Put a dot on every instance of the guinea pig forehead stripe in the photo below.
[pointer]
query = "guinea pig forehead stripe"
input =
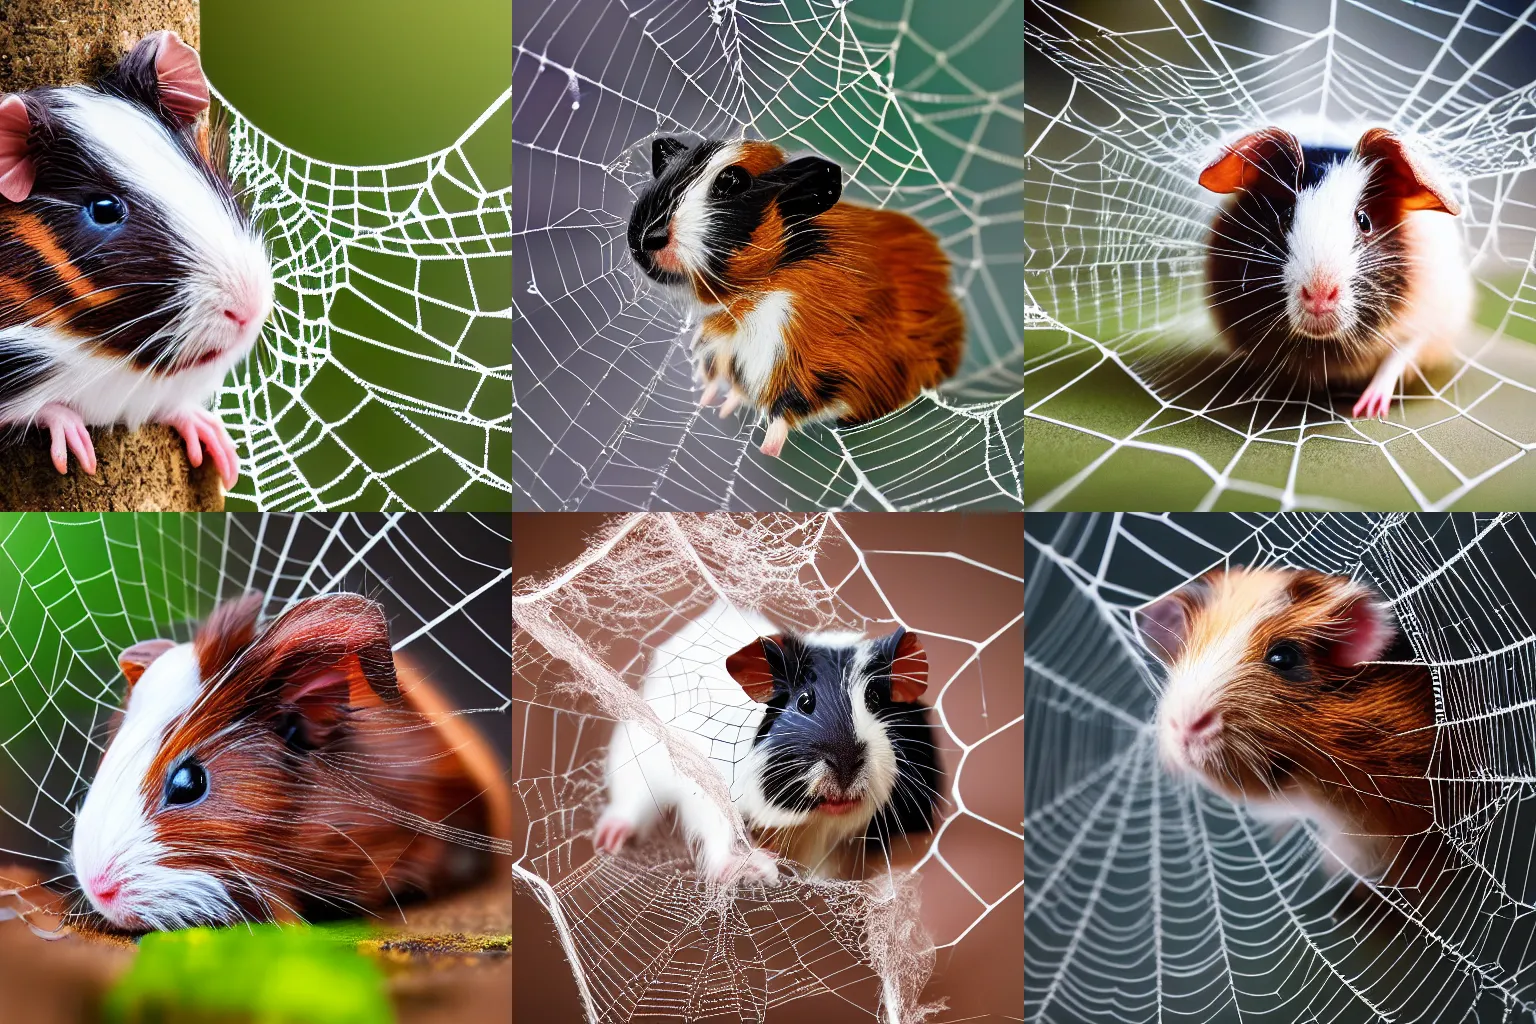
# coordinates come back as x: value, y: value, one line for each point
x: 1240, y: 602
x: 157, y: 169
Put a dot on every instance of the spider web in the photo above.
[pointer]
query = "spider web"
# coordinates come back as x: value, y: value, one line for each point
x: 76, y: 590
x: 642, y: 935
x: 921, y: 109
x: 1123, y: 108
x: 1152, y: 898
x: 384, y: 378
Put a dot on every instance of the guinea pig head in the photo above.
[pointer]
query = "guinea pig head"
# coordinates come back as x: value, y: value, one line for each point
x: 117, y: 230
x: 718, y: 216
x: 1313, y: 245
x: 192, y: 817
x: 1252, y: 656
x: 821, y: 747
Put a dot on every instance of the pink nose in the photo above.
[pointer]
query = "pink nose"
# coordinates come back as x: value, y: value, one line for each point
x: 1203, y: 728
x: 1320, y: 296
x: 105, y: 889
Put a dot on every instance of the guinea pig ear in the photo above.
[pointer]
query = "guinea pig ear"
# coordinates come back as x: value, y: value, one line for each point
x: 17, y: 172
x: 163, y: 73
x: 1403, y: 175
x: 1164, y: 626
x: 1270, y: 156
x: 134, y: 660
x: 909, y: 667
x: 663, y: 149
x: 227, y: 632
x: 1367, y: 630
x: 811, y: 186
x: 756, y: 665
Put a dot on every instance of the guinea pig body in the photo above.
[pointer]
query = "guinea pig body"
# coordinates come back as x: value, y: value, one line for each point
x: 1276, y: 697
x: 812, y: 309
x: 131, y: 281
x: 280, y: 773
x: 813, y: 737
x: 1336, y: 263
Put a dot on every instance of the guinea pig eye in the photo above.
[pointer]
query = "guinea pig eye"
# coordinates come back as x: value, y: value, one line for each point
x: 106, y: 210
x: 872, y: 697
x: 1363, y: 221
x: 806, y: 703
x: 187, y: 784
x: 1284, y: 656
x: 730, y: 182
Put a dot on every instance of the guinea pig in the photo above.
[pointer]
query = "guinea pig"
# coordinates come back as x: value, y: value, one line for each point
x: 1336, y: 264
x: 282, y: 772
x: 1290, y: 691
x: 818, y: 738
x: 131, y: 281
x: 812, y: 309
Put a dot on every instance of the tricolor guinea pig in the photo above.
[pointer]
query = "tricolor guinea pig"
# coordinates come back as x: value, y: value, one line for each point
x: 1336, y: 264
x: 813, y: 309
x: 818, y: 739
x: 280, y: 772
x: 131, y: 281
x: 1291, y: 692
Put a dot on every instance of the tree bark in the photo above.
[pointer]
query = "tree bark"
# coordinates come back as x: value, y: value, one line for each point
x: 63, y: 42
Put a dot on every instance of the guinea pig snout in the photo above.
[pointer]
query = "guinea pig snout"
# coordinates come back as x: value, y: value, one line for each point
x: 1189, y: 737
x: 1319, y: 295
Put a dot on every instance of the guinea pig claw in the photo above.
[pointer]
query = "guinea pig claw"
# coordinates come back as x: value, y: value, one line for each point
x: 201, y: 429
x: 1374, y: 404
x: 611, y: 834
x: 708, y: 397
x: 67, y: 433
x: 731, y: 404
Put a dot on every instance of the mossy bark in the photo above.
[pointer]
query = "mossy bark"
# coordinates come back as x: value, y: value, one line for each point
x: 58, y: 42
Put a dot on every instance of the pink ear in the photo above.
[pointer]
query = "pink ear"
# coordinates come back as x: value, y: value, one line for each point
x: 16, y: 170
x: 183, y: 88
x: 749, y: 667
x: 1164, y: 626
x: 1368, y: 632
x: 134, y: 660
x: 909, y: 670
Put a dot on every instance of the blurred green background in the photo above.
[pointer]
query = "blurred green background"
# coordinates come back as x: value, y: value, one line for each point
x: 368, y: 82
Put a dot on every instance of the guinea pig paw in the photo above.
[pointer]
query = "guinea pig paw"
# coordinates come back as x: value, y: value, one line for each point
x: 708, y: 397
x: 611, y: 834
x: 201, y: 429
x: 773, y: 440
x: 67, y: 433
x: 758, y: 865
x: 1375, y: 403
x: 731, y: 403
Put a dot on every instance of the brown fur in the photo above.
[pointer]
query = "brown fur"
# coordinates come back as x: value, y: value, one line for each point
x: 872, y: 324
x: 306, y: 832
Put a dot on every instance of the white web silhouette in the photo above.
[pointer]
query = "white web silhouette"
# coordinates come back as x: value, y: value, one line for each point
x: 893, y: 91
x: 384, y: 376
x: 645, y: 937
x: 74, y: 591
x: 1122, y: 111
x: 1150, y: 898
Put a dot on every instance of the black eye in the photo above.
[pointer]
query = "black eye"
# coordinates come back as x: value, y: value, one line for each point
x: 1284, y: 656
x: 106, y: 210
x: 872, y: 697
x: 1363, y: 221
x: 730, y: 182
x: 187, y: 784
x: 806, y: 703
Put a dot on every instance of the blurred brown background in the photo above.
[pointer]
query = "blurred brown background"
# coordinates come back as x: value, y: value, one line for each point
x: 981, y: 976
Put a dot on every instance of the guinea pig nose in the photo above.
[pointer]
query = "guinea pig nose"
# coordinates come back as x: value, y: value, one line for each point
x: 1204, y: 725
x: 237, y: 317
x: 1320, y: 293
x: 105, y: 889
x: 656, y: 238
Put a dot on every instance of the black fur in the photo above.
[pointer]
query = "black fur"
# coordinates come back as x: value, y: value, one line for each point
x: 796, y: 741
x: 791, y: 402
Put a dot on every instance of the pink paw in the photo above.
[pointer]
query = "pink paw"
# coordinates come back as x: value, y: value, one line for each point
x: 731, y: 403
x: 67, y: 433
x: 708, y: 397
x: 1376, y: 402
x: 201, y: 429
x: 773, y: 440
x: 756, y: 865
x: 611, y: 834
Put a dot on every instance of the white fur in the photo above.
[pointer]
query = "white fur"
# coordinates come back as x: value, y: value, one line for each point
x: 690, y: 217
x: 1322, y: 240
x: 231, y: 269
x: 113, y: 830
x: 691, y: 692
x: 1196, y: 678
x: 755, y: 346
